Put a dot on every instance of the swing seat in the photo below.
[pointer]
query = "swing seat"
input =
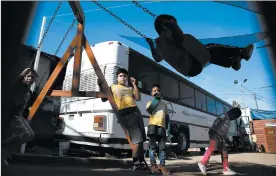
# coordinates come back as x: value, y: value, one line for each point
x: 189, y: 58
x: 182, y: 51
x: 196, y: 49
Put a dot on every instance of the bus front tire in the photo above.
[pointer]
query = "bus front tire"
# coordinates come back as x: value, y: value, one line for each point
x: 183, y: 143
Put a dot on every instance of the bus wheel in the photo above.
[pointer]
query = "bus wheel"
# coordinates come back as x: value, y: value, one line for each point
x: 183, y: 143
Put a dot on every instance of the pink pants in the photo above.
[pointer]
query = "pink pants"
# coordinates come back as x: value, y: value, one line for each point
x: 214, y: 144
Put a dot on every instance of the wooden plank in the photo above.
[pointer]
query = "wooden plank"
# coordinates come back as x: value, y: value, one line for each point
x: 100, y: 76
x: 63, y: 93
x: 52, y: 79
x: 77, y: 60
x: 77, y: 10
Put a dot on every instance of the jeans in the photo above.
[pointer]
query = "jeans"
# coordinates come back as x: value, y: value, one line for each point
x: 153, y: 147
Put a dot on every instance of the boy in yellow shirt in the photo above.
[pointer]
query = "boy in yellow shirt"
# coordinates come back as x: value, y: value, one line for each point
x: 158, y: 123
x: 129, y: 115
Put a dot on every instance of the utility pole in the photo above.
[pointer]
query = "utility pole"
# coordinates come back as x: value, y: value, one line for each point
x: 37, y: 58
x: 256, y: 101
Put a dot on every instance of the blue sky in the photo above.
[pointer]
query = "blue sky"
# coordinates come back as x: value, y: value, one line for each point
x: 201, y: 19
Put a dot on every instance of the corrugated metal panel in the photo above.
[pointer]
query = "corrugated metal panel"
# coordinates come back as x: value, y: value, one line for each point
x: 88, y: 81
x: 270, y: 139
x: 258, y: 128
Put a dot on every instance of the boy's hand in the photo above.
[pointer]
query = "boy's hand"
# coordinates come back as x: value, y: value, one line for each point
x: 133, y: 81
x: 99, y: 82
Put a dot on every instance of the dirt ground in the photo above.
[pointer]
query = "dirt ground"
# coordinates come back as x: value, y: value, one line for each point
x: 255, y: 164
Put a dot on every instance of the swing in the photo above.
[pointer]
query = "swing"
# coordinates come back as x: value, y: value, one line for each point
x: 182, y: 51
x: 77, y: 44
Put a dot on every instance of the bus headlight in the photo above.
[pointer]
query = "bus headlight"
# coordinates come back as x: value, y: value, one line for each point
x: 99, y: 123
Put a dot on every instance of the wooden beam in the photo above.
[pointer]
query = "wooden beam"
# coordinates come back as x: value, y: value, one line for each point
x: 52, y: 79
x: 77, y: 60
x: 63, y: 93
x: 77, y: 10
x: 106, y: 90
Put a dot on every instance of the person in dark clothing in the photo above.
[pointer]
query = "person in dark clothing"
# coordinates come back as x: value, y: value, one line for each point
x: 130, y: 116
x: 218, y: 137
x: 18, y: 131
x: 174, y: 47
x: 158, y: 124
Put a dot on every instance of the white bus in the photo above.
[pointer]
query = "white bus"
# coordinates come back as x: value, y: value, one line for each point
x: 193, y: 109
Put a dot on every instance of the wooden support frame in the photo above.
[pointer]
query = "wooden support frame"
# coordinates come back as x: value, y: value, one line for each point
x: 77, y: 43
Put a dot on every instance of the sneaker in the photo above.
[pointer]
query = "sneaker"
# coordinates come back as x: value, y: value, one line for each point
x: 236, y: 64
x: 202, y: 168
x: 136, y: 166
x: 229, y: 172
x: 247, y: 52
x: 144, y: 166
x: 155, y: 170
x: 164, y: 170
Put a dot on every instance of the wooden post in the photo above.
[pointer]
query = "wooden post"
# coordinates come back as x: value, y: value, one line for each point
x: 51, y: 80
x: 101, y: 77
x: 77, y: 60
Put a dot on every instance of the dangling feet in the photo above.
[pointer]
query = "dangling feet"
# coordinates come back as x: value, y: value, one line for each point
x: 154, y: 53
x: 236, y: 63
x: 202, y: 168
x: 246, y: 52
x: 228, y: 171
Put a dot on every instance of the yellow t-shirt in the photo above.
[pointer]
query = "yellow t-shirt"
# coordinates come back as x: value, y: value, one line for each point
x: 123, y: 96
x: 158, y: 116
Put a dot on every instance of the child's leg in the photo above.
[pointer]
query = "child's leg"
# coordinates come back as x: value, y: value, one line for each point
x: 152, y: 149
x: 212, y: 147
x: 162, y: 149
x: 162, y: 155
x: 224, y: 156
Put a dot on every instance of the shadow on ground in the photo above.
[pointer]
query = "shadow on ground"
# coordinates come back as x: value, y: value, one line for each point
x: 249, y: 169
x: 187, y: 169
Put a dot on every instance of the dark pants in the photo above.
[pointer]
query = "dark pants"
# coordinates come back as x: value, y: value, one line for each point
x: 222, y: 54
x: 153, y: 148
x: 18, y: 133
x: 216, y: 143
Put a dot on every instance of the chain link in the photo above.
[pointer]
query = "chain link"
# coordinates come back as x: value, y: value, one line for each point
x: 144, y: 9
x: 62, y: 41
x: 49, y: 25
x: 65, y: 36
x: 119, y: 19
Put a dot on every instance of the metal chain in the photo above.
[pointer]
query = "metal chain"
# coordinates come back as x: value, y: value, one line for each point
x: 119, y: 19
x: 45, y: 33
x: 66, y: 34
x: 144, y: 9
x: 49, y: 25
x: 62, y: 41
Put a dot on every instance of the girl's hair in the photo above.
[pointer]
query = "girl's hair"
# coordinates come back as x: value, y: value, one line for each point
x: 121, y: 70
x: 27, y: 71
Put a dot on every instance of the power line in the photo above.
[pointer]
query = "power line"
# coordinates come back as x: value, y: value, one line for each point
x: 260, y: 96
x: 265, y: 87
x: 93, y: 10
